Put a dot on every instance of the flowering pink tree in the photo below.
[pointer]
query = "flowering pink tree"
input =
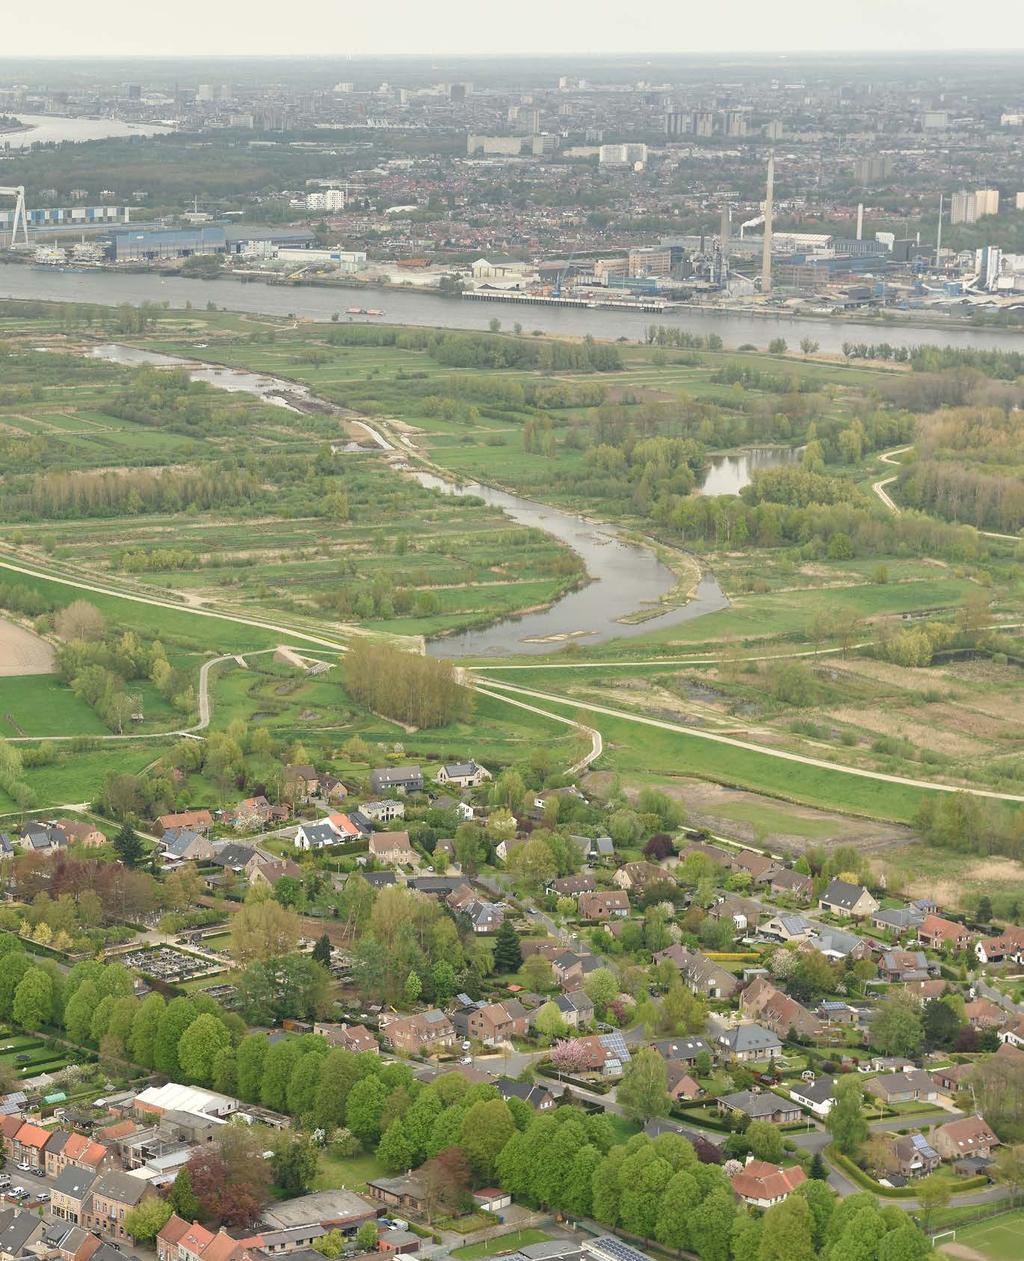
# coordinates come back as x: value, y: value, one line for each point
x: 569, y: 1055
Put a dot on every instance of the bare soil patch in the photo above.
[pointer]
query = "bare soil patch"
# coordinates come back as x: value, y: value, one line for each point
x: 895, y: 676
x: 22, y: 652
x: 926, y: 735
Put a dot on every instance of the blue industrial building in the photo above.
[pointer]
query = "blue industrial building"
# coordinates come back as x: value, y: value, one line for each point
x: 147, y: 244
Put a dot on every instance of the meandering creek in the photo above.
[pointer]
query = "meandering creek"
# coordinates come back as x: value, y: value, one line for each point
x: 624, y: 578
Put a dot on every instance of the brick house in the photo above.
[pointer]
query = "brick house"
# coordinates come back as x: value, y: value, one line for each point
x: 785, y: 883
x: 911, y: 1155
x: 970, y: 1136
x: 405, y: 1192
x: 637, y: 875
x: 393, y: 848
x: 847, y: 901
x: 907, y: 1087
x: 760, y: 1105
x: 65, y: 1149
x: 782, y: 1014
x: 426, y: 1033
x: 603, y: 906
x: 253, y: 812
x: 699, y: 973
x: 499, y: 1022
x: 356, y: 1038
x: 982, y: 1013
x: 111, y: 1199
x: 194, y: 820
x: 936, y: 933
x: 30, y: 1146
x: 904, y: 965
x: 69, y: 1192
x: 605, y: 1053
x: 79, y: 832
x: 759, y: 867
x: 763, y: 1184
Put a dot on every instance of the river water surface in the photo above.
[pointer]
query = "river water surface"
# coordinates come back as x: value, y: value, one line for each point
x: 404, y: 306
x: 52, y: 129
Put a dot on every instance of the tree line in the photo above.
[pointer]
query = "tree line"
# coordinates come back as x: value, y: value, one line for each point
x: 421, y: 691
x: 482, y: 350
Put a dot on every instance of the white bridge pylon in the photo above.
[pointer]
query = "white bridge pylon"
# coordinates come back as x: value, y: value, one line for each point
x: 20, y: 216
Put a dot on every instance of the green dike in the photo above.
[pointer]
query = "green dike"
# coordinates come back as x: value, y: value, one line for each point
x: 200, y: 630
x: 633, y: 748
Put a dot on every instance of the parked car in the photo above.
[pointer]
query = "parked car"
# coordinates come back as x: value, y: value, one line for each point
x: 18, y: 1193
x: 25, y: 1167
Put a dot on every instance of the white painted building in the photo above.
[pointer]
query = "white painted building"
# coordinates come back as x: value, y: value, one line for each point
x: 326, y: 199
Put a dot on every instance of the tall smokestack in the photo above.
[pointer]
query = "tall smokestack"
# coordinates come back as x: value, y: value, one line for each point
x: 860, y: 221
x: 769, y: 197
x: 938, y: 235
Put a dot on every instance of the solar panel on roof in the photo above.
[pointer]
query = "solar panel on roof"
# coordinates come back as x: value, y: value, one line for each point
x: 610, y: 1246
x: 922, y: 1145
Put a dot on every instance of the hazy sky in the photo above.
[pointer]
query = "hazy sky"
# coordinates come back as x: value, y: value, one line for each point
x: 255, y: 27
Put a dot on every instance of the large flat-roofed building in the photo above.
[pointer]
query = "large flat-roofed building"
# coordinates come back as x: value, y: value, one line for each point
x: 146, y: 244
x: 173, y: 1097
x: 504, y: 146
x: 69, y: 216
x: 240, y: 238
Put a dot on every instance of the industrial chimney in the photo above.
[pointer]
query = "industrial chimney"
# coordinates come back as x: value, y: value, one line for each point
x: 766, y: 259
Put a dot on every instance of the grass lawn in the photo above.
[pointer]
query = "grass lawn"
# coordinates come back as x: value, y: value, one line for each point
x: 44, y: 705
x: 622, y: 1127
x: 1000, y: 1238
x: 503, y: 1243
x: 638, y: 748
x: 351, y: 1172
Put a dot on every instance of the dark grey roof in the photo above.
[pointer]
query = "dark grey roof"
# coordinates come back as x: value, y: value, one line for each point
x: 16, y: 1229
x: 395, y: 774
x: 842, y: 893
x: 460, y: 768
x: 55, y: 1143
x: 121, y: 1186
x: 899, y: 917
x: 749, y: 1038
x: 533, y: 1095
x: 232, y: 854
x: 757, y: 1104
x: 177, y: 840
x: 377, y: 879
x: 819, y: 1091
x: 74, y: 1182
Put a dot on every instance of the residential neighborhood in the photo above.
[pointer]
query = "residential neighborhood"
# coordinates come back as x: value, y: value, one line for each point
x: 793, y: 1026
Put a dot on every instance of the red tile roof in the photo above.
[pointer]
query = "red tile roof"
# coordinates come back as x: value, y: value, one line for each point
x: 32, y: 1136
x: 760, y: 1180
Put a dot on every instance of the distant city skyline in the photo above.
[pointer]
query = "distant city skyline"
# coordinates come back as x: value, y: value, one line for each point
x: 464, y: 27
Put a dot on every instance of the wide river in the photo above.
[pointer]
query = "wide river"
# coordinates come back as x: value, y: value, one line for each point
x: 53, y: 129
x: 403, y: 306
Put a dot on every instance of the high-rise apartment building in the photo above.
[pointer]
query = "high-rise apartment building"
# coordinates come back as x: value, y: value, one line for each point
x: 968, y: 206
x: 326, y: 199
